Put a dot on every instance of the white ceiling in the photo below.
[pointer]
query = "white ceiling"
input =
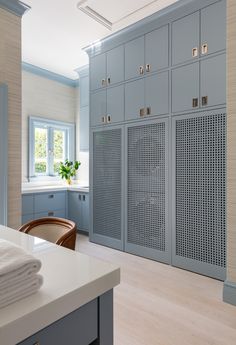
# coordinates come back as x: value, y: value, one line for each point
x: 55, y: 31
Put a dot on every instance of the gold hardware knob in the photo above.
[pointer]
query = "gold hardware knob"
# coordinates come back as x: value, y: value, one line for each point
x: 142, y: 112
x: 204, y: 101
x: 148, y: 68
x: 103, y: 82
x: 141, y: 70
x: 204, y: 48
x: 195, y: 102
x: 195, y: 52
x: 108, y: 118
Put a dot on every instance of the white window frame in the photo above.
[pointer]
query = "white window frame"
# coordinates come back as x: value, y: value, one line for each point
x: 51, y: 125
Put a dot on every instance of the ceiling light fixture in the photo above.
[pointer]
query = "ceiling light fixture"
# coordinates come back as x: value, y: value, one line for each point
x: 93, y: 14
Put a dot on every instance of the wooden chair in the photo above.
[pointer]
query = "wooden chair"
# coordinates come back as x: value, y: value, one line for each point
x: 56, y: 230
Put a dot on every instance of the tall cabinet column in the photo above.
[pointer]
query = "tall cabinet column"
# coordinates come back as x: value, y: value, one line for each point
x: 11, y: 12
x: 230, y: 284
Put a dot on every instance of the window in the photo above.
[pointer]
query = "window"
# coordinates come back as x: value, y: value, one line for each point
x: 50, y: 142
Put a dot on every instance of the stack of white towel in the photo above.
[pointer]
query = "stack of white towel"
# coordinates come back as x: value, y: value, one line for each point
x: 18, y: 273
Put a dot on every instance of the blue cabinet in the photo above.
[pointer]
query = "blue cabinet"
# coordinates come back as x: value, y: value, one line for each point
x: 148, y: 53
x: 147, y: 97
x: 40, y: 205
x: 84, y: 107
x: 107, y: 106
x: 84, y: 128
x: 78, y: 209
x: 107, y: 69
x: 185, y: 38
x: 84, y: 90
x: 200, y: 33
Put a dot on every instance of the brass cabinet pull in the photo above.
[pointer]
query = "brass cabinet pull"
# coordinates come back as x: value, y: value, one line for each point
x: 204, y: 101
x: 108, y: 118
x: 204, y: 48
x: 149, y: 110
x: 142, y: 112
x: 103, y: 119
x: 50, y: 214
x: 108, y: 81
x: 148, y: 68
x: 141, y: 70
x: 195, y: 52
x: 195, y: 102
x: 103, y: 82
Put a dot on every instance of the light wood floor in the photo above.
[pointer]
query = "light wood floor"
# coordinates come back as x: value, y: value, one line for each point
x: 157, y: 304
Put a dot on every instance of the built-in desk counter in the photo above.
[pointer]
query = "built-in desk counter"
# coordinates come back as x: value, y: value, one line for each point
x: 74, y: 303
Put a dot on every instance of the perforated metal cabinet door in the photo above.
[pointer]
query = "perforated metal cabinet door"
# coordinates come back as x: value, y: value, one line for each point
x: 199, y: 188
x: 106, y: 178
x: 146, y: 218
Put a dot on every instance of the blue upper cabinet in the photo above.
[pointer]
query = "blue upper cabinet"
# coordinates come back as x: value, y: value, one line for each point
x: 200, y: 33
x: 185, y: 38
x: 115, y: 65
x: 84, y: 91
x: 107, y: 68
x: 213, y: 28
x: 147, y: 96
x: 134, y: 58
x: 98, y: 108
x: 147, y: 54
x: 157, y: 49
x: 98, y: 71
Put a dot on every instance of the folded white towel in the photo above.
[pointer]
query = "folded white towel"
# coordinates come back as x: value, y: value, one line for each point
x: 13, y: 293
x: 15, y: 263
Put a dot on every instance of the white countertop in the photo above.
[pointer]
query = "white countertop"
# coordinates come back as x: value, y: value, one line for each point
x: 53, y: 188
x: 71, y: 280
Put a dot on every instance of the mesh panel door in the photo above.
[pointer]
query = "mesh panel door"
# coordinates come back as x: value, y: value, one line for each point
x: 107, y: 183
x: 147, y: 161
x: 200, y: 186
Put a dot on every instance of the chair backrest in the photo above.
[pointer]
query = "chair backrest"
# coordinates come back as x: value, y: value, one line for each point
x: 56, y: 230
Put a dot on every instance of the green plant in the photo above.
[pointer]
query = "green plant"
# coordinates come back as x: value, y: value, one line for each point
x: 68, y: 169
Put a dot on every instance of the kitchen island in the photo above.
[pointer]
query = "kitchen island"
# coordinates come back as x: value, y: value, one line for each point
x: 74, y: 305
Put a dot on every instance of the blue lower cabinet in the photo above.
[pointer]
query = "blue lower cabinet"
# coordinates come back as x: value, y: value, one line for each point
x: 78, y: 209
x: 57, y: 213
x: 27, y: 218
x: 79, y: 327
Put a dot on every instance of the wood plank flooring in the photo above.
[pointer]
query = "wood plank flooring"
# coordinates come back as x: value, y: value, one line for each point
x: 157, y: 304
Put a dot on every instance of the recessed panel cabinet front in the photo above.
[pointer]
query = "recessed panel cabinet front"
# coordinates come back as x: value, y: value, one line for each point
x: 213, y: 81
x: 98, y: 107
x: 115, y: 65
x: 134, y: 58
x: 185, y: 88
x: 147, y: 231
x: 107, y: 179
x: 185, y: 38
x: 213, y: 28
x: 98, y: 71
x: 134, y: 99
x: 115, y: 104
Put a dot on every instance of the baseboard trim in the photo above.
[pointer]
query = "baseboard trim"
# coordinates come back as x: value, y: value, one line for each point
x: 229, y: 292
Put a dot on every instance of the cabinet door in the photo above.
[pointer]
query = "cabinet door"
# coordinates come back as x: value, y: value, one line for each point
x: 185, y: 38
x: 84, y: 129
x: 115, y: 65
x: 84, y: 91
x: 134, y: 99
x: 107, y: 214
x: 115, y: 103
x: 185, y: 88
x: 213, y: 28
x: 156, y: 49
x: 27, y: 204
x: 98, y: 107
x: 85, y: 211
x: 147, y: 231
x: 74, y: 208
x: 199, y: 193
x: 213, y: 81
x: 134, y: 58
x: 156, y: 93
x: 98, y: 71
